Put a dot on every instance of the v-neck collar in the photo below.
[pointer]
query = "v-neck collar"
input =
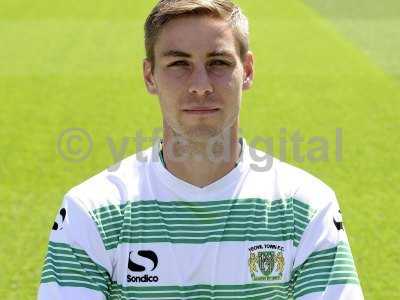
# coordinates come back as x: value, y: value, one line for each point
x: 189, y: 191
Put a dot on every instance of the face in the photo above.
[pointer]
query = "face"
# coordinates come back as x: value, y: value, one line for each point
x: 198, y: 77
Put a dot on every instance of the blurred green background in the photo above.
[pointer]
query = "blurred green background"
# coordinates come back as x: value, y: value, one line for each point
x: 320, y: 65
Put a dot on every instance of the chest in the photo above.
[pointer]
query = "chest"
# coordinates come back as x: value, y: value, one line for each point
x: 225, y: 243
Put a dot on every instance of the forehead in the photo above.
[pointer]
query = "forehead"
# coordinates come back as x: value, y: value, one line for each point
x: 196, y: 36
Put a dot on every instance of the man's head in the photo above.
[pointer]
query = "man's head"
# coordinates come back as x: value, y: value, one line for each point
x: 197, y: 57
x: 167, y: 10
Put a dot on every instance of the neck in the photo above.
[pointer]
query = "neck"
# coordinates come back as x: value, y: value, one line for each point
x: 201, y: 162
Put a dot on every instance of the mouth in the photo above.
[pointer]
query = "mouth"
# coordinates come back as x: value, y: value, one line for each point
x: 201, y: 110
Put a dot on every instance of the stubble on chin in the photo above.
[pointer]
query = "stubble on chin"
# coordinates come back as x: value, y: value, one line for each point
x: 200, y: 133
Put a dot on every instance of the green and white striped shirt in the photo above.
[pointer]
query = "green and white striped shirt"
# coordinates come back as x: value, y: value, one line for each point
x: 141, y: 233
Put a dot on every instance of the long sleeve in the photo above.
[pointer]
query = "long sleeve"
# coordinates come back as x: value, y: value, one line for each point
x: 76, y: 265
x: 324, y: 266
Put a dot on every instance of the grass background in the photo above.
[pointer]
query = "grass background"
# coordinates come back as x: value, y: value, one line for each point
x: 320, y: 65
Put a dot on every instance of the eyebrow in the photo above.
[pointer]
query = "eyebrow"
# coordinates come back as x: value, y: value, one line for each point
x: 178, y: 53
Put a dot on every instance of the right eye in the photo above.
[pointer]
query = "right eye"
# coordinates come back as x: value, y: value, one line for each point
x: 178, y: 63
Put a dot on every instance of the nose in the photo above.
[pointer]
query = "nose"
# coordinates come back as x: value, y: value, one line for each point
x: 200, y: 82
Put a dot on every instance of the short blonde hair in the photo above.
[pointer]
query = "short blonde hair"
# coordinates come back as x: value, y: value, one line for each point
x: 167, y: 10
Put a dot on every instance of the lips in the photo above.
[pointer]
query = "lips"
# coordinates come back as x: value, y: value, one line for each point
x: 201, y: 110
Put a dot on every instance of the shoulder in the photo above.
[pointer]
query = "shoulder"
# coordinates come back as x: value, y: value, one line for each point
x: 282, y: 180
x: 115, y: 185
x: 303, y: 186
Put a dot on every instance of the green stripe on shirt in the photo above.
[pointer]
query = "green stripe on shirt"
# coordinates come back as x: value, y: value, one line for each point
x: 154, y: 221
x: 324, y: 268
x: 68, y: 266
x: 203, y: 291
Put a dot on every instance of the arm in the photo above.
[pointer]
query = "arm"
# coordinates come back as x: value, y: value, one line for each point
x: 324, y: 268
x: 76, y: 265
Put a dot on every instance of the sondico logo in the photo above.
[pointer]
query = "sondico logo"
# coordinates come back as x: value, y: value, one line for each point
x: 135, y: 267
x: 58, y: 223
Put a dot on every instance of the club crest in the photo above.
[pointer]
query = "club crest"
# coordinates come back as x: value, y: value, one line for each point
x: 266, y: 262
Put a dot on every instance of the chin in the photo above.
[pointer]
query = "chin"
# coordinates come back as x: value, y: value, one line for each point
x: 201, y: 133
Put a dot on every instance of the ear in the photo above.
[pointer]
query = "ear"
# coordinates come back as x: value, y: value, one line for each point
x: 248, y: 68
x: 148, y: 77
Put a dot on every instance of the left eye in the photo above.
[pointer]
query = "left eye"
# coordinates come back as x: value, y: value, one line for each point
x: 218, y: 62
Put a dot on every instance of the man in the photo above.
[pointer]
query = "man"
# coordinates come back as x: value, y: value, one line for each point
x: 197, y: 220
